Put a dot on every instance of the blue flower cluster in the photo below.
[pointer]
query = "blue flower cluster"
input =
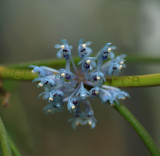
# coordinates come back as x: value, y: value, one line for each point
x: 63, y: 86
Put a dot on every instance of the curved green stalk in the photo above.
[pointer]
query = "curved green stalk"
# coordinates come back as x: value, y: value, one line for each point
x: 117, y: 81
x: 4, y: 140
x: 143, y: 134
x: 14, y: 148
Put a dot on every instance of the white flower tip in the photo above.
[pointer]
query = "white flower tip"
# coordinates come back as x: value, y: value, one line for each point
x: 62, y: 46
x: 77, y: 123
x: 121, y: 62
x: 33, y: 71
x: 88, y: 61
x: 73, y: 107
x: 63, y: 74
x: 83, y: 45
x: 120, y: 67
x: 40, y: 84
x: 50, y: 99
x: 109, y: 49
x: 96, y: 92
x: 49, y: 110
x: 123, y: 98
x: 89, y: 122
x: 98, y: 78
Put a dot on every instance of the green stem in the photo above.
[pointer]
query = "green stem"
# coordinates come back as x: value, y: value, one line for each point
x: 58, y: 63
x: 143, y: 59
x: 149, y: 80
x: 14, y: 148
x: 117, y: 81
x: 16, y: 74
x: 4, y: 140
x: 143, y: 134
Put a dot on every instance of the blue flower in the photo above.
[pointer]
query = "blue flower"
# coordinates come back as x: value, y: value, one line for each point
x: 46, y: 82
x: 82, y: 92
x: 43, y: 71
x: 53, y: 107
x: 87, y: 64
x: 65, y: 49
x: 97, y: 78
x: 108, y: 94
x: 66, y: 87
x: 81, y: 119
x: 72, y: 104
x: 66, y: 77
x: 114, y: 66
x: 106, y: 52
x: 83, y: 49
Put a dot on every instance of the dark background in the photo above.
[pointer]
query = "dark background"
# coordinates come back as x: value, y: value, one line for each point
x: 28, y: 31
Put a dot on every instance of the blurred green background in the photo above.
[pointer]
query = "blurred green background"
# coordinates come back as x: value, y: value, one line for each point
x: 30, y: 28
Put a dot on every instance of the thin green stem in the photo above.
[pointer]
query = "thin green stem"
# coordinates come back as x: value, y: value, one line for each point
x: 58, y: 63
x: 14, y: 148
x: 143, y: 134
x: 4, y: 140
x: 140, y: 59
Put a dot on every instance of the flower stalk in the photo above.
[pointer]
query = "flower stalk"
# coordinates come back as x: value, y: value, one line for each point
x: 140, y: 130
x: 6, y: 149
